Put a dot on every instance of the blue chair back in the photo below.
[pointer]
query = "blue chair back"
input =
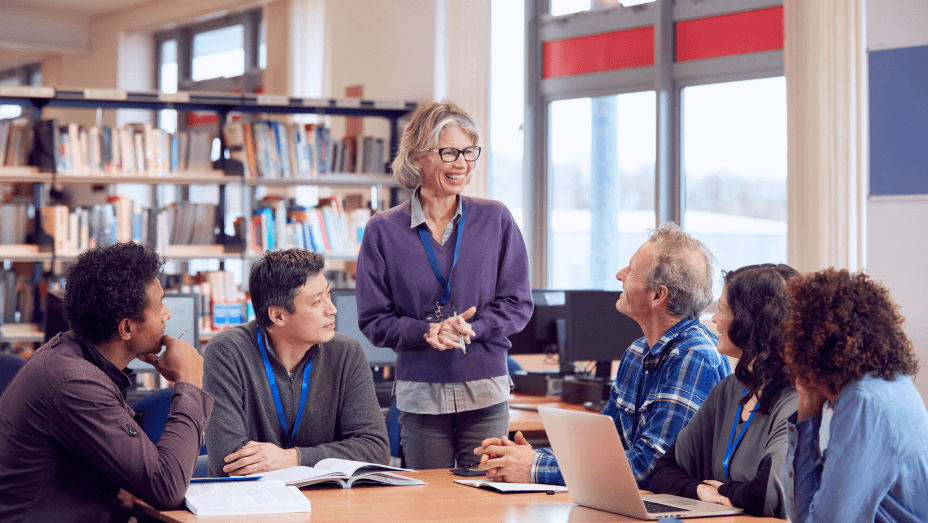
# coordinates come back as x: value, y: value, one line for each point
x: 9, y: 365
x: 393, y: 430
x: 512, y: 365
x: 151, y: 413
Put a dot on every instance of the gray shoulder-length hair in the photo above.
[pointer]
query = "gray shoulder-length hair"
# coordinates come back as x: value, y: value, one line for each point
x: 684, y: 265
x: 422, y: 132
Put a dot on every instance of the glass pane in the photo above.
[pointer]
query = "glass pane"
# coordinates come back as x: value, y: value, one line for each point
x: 564, y: 7
x: 10, y: 111
x: 601, y: 159
x: 262, y: 44
x: 734, y: 167
x: 167, y: 82
x: 507, y: 64
x: 219, y: 53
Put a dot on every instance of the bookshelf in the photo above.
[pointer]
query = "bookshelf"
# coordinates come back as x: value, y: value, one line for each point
x: 224, y: 173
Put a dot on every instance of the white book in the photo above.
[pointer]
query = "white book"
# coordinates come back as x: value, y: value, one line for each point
x: 344, y: 472
x: 244, y: 497
x: 502, y: 486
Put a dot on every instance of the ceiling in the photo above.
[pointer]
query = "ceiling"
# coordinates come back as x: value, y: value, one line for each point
x: 77, y: 7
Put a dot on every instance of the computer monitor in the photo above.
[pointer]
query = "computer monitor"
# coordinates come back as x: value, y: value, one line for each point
x: 346, y: 322
x: 540, y: 333
x: 185, y: 316
x: 595, y: 330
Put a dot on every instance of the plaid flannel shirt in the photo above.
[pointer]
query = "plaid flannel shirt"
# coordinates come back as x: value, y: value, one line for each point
x: 673, y: 378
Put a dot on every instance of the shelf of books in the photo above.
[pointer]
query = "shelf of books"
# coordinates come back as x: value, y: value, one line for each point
x: 261, y: 152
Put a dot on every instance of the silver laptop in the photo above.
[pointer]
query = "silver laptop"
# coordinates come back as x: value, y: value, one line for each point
x: 593, y: 463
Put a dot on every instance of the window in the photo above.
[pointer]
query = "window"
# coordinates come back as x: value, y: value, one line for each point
x: 566, y: 7
x: 734, y: 165
x: 219, y: 53
x: 601, y: 186
x: 663, y: 111
x: 30, y: 74
x: 223, y: 54
x: 167, y: 82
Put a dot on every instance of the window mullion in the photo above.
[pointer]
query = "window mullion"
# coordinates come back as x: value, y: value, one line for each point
x: 667, y: 179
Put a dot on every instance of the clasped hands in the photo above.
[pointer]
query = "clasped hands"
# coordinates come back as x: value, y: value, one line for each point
x: 256, y: 457
x: 507, y: 460
x: 708, y: 491
x: 446, y: 335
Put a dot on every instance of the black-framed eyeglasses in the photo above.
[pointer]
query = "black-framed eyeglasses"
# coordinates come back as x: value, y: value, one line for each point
x: 450, y: 154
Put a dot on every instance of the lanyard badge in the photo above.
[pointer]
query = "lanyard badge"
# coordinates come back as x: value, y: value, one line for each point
x: 437, y: 316
x: 276, y: 393
x: 732, y: 441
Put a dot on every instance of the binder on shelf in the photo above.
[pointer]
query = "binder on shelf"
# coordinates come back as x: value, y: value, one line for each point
x: 46, y: 151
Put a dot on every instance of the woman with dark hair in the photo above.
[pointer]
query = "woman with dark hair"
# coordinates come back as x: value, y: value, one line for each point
x: 733, y: 449
x: 845, y: 345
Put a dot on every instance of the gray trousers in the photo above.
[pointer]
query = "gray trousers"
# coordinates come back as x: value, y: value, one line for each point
x: 437, y: 441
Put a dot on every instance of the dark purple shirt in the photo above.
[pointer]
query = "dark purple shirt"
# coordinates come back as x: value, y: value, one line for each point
x: 68, y: 442
x: 396, y: 288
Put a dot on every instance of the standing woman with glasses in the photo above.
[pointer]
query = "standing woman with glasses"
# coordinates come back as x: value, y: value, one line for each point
x: 734, y: 448
x: 442, y: 280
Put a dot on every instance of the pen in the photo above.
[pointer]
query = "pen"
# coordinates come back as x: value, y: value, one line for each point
x: 460, y: 336
x: 182, y: 334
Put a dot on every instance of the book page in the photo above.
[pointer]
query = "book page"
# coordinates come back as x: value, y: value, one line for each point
x: 295, y: 475
x: 384, y: 478
x: 349, y: 467
x: 235, y: 486
x: 273, y: 500
x: 502, y: 486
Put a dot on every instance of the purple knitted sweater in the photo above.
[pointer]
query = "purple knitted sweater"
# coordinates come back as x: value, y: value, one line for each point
x: 396, y: 288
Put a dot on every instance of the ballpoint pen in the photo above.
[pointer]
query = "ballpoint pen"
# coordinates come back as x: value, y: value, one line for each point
x: 182, y: 334
x: 460, y: 336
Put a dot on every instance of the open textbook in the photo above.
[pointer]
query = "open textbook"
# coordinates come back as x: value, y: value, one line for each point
x: 344, y: 472
x: 244, y: 497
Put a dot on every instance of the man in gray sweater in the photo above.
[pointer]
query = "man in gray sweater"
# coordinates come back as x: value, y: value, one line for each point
x: 288, y: 389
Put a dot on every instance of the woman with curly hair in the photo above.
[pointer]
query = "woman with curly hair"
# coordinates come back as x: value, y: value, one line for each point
x: 734, y: 448
x: 845, y: 346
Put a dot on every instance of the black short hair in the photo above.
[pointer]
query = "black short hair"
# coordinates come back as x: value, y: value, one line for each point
x: 108, y: 284
x: 759, y: 304
x: 276, y: 278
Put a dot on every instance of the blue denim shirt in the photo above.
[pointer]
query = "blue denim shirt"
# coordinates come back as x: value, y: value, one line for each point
x: 876, y: 464
x: 673, y: 377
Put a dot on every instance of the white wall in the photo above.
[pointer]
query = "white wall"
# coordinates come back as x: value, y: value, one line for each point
x: 384, y: 45
x: 897, y: 248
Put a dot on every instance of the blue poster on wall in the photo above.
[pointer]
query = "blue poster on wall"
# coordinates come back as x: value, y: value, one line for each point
x: 899, y: 121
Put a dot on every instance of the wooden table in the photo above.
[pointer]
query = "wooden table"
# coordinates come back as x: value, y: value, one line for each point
x: 440, y: 500
x: 530, y: 420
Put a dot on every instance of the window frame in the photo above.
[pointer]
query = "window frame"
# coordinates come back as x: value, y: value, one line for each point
x: 249, y: 82
x: 666, y: 77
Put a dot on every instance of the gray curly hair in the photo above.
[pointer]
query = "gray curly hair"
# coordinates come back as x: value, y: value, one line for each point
x: 685, y: 266
x: 422, y: 133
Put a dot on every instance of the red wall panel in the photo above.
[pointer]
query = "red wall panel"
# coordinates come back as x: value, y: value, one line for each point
x: 597, y: 53
x: 727, y: 35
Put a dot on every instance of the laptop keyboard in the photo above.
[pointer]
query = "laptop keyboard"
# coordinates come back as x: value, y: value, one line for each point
x: 657, y: 508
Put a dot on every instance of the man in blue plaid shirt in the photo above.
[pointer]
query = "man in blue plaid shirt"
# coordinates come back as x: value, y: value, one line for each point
x: 663, y: 377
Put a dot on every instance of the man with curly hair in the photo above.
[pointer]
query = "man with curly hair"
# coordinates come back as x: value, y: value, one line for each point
x: 846, y: 346
x: 68, y: 441
x: 663, y: 377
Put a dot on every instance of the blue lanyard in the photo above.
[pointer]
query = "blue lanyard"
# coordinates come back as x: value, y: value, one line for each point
x: 732, y: 442
x: 433, y: 261
x: 274, y: 392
